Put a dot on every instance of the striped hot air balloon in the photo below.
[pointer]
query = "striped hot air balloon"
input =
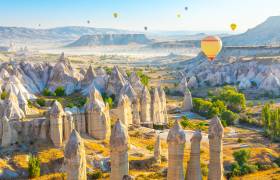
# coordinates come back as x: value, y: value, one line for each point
x: 211, y: 46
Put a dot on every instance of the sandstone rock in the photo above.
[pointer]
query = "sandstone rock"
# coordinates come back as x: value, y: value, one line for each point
x: 89, y: 77
x: 157, y: 115
x: 56, y: 126
x: 145, y: 106
x: 116, y: 82
x: 245, y: 84
x: 194, y: 170
x: 183, y: 85
x: 98, y: 116
x: 75, y: 158
x: 136, y: 84
x: 176, y: 144
x: 68, y: 125
x: 124, y: 110
x: 193, y: 83
x: 157, y: 150
x: 163, y: 104
x: 11, y: 107
x: 216, y: 133
x: 44, y: 131
x: 9, y: 135
x: 187, y: 102
x: 119, y: 145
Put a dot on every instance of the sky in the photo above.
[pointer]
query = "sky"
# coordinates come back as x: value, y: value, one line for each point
x: 202, y: 15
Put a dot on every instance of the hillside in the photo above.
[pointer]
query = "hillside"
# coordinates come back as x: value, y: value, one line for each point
x: 267, y: 33
x: 110, y: 39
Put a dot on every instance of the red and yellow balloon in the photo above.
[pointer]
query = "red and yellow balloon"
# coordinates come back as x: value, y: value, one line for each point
x: 211, y: 46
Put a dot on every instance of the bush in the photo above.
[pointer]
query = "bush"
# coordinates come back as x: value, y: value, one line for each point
x: 60, y: 91
x: 239, y: 140
x: 33, y: 167
x: 246, y: 120
x: 4, y: 95
x: 96, y: 174
x: 150, y: 147
x: 207, y: 108
x: 108, y: 99
x: 41, y: 102
x: 143, y: 78
x: 185, y: 122
x: 241, y: 156
x: 47, y: 92
x: 229, y: 116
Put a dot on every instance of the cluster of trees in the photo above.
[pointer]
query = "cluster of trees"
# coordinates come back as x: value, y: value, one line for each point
x: 225, y: 103
x: 271, y: 121
x: 59, y: 92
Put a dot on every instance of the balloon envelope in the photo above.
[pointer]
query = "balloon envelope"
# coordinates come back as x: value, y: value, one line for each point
x: 115, y: 15
x: 178, y: 15
x: 88, y: 21
x: 146, y: 28
x: 211, y: 46
x: 186, y: 8
x: 233, y: 26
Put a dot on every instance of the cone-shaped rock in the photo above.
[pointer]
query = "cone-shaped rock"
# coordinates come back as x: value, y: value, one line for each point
x: 157, y: 115
x: 124, y: 110
x: 56, y: 126
x: 162, y: 97
x: 157, y: 150
x: 187, y: 102
x: 145, y: 106
x: 75, y: 158
x: 116, y: 82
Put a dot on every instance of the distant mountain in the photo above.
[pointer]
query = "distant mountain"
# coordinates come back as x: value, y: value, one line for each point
x: 68, y: 33
x: 267, y: 33
x: 110, y: 39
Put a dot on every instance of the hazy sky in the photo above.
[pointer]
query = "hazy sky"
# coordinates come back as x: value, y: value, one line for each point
x: 136, y: 14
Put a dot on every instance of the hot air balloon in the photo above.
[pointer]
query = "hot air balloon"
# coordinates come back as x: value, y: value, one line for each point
x: 146, y: 28
x: 88, y: 21
x: 178, y: 15
x: 233, y: 26
x: 115, y: 15
x: 186, y: 8
x: 211, y: 46
x: 39, y: 25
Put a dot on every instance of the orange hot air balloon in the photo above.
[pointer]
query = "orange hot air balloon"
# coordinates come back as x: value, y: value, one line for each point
x: 211, y: 46
x: 233, y: 26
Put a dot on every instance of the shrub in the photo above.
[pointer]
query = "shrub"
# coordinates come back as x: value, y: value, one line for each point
x: 70, y: 105
x: 47, y: 92
x: 96, y: 174
x: 41, y: 102
x: 33, y: 167
x: 205, y: 108
x: 143, y: 78
x: 185, y: 122
x: 4, y: 95
x: 229, y: 116
x: 239, y: 140
x: 60, y: 91
x: 241, y: 156
x: 150, y: 147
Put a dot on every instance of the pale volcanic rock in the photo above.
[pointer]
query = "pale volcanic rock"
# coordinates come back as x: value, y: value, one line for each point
x: 176, y: 140
x: 11, y: 108
x: 270, y: 83
x: 157, y: 116
x: 245, y: 84
x: 187, y: 102
x: 135, y: 104
x: 98, y: 116
x: 56, y: 123
x: 9, y: 135
x: 157, y: 150
x: 124, y: 110
x: 89, y: 77
x: 116, y: 82
x: 183, y: 85
x: 68, y: 125
x: 119, y: 145
x: 192, y: 83
x: 145, y: 106
x: 22, y: 102
x: 75, y: 158
x: 162, y: 97
x: 194, y: 169
x: 136, y: 83
x: 216, y: 134
x: 63, y: 75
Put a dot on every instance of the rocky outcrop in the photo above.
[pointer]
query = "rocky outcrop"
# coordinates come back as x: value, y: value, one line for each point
x: 194, y: 170
x: 9, y: 135
x: 163, y: 104
x: 68, y: 125
x: 98, y: 118
x: 124, y: 110
x: 119, y: 145
x: 187, y: 102
x: 56, y: 124
x: 135, y: 104
x: 176, y: 144
x: 157, y: 115
x: 63, y: 75
x: 183, y: 85
x: 157, y: 150
x: 75, y: 158
x: 145, y: 107
x: 136, y: 83
x: 116, y: 82
x: 11, y: 107
x: 89, y: 76
x: 216, y: 133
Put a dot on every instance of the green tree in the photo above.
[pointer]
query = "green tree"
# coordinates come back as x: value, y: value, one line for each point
x: 33, y: 166
x: 229, y: 116
x: 60, y: 91
x: 242, y: 156
x: 4, y: 94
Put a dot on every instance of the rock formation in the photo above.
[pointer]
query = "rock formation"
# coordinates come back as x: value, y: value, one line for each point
x: 135, y: 104
x: 136, y: 83
x: 146, y: 107
x: 116, y: 82
x: 124, y: 110
x: 75, y: 158
x: 56, y: 126
x: 183, y: 85
x: 119, y: 144
x: 11, y: 107
x: 98, y: 117
x: 216, y: 133
x: 194, y: 170
x: 163, y: 104
x: 157, y: 150
x: 187, y: 102
x: 68, y: 125
x: 176, y: 144
x: 9, y: 135
x: 157, y: 115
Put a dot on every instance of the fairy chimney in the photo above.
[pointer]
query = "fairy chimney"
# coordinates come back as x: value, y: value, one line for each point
x: 145, y: 106
x: 124, y: 110
x: 56, y: 126
x: 187, y: 103
x: 157, y: 150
